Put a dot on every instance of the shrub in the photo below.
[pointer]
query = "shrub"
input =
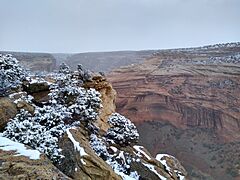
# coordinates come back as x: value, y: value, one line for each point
x: 24, y: 128
x: 63, y: 68
x: 11, y: 73
x: 122, y: 130
x: 83, y: 102
x: 84, y: 74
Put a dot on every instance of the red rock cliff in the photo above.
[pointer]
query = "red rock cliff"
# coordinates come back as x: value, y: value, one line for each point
x: 186, y: 88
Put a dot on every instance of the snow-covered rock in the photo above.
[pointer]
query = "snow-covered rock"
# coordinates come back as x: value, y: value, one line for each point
x: 9, y: 145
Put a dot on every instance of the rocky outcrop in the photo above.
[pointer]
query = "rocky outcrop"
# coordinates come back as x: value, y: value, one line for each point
x: 186, y: 89
x: 8, y: 110
x: 13, y: 166
x: 89, y: 166
x: 108, y: 96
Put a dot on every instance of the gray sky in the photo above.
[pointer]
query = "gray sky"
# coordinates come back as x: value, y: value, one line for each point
x: 106, y: 25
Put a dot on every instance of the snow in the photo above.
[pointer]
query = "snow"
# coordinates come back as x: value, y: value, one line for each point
x: 118, y: 169
x: 134, y: 175
x: 76, y: 144
x: 11, y: 96
x: 181, y: 177
x: 36, y: 80
x: 9, y: 145
x: 118, y: 162
x: 114, y: 149
x: 121, y: 156
x: 21, y: 97
x: 83, y: 162
x: 164, y: 162
x: 160, y: 156
x: 151, y: 167
x: 124, y: 176
x: 138, y: 148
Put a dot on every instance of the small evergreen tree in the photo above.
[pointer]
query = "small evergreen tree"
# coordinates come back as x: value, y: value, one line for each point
x: 84, y: 74
x: 122, y: 130
x: 11, y: 73
x: 64, y: 68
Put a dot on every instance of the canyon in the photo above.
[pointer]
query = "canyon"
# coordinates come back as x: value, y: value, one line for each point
x: 186, y: 102
x: 63, y: 125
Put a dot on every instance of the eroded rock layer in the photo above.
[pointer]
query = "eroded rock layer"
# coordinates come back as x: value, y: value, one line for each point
x: 196, y: 92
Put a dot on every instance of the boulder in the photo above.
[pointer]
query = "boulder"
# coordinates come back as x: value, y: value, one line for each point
x: 35, y: 87
x: 78, y: 166
x: 13, y: 166
x: 8, y: 110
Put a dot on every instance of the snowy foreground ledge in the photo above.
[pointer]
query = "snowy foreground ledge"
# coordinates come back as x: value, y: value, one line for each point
x: 9, y: 145
x: 77, y: 146
x: 160, y: 158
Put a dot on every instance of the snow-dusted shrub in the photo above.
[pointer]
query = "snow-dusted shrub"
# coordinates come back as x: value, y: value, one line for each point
x: 119, y: 161
x: 40, y: 131
x: 84, y: 74
x: 99, y: 146
x: 21, y: 96
x: 87, y: 104
x: 11, y: 72
x: 5, y: 84
x: 63, y: 68
x: 22, y: 128
x: 51, y: 116
x: 122, y: 130
x: 83, y: 102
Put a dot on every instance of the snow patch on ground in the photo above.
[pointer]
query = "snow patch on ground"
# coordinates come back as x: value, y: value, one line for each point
x: 9, y: 145
x: 114, y: 149
x: 83, y: 162
x: 164, y: 162
x: 181, y: 177
x: 160, y: 156
x: 77, y: 146
x: 138, y: 149
x: 151, y: 167
x: 119, y: 171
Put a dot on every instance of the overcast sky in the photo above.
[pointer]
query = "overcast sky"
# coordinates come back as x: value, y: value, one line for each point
x: 106, y: 25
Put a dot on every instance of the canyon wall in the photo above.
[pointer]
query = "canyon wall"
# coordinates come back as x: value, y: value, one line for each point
x: 194, y: 92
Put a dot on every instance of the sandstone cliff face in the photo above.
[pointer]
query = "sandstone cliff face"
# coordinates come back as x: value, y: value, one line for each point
x: 108, y: 95
x: 185, y: 89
